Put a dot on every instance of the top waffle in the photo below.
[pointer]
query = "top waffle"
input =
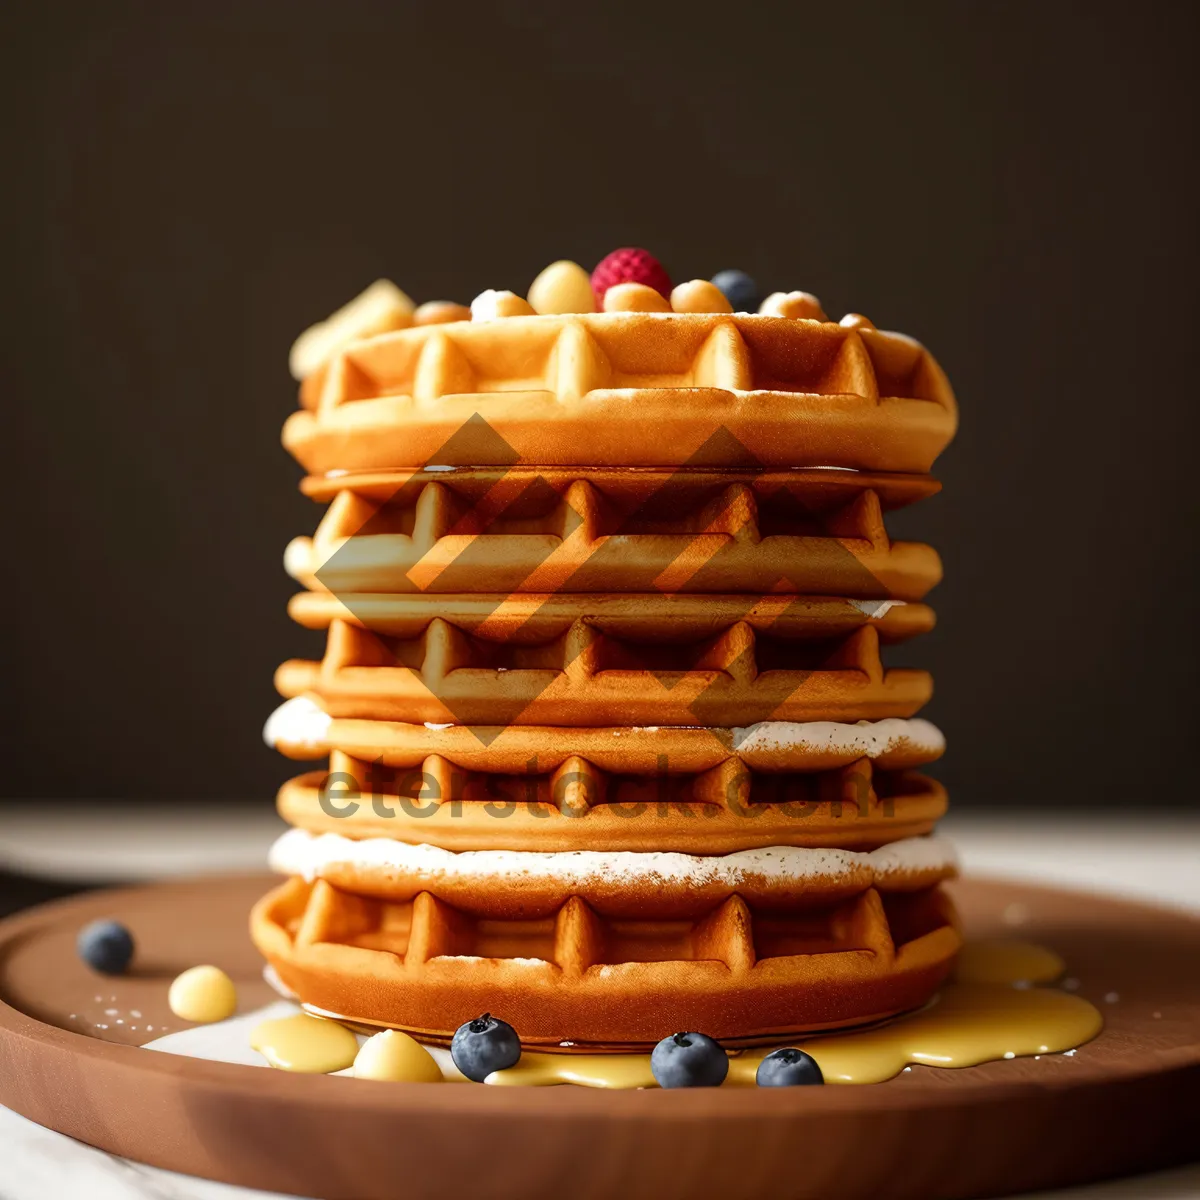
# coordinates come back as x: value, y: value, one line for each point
x: 665, y: 389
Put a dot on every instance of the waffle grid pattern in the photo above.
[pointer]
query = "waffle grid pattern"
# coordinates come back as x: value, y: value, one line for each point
x: 579, y: 805
x: 577, y: 938
x: 736, y: 970
x: 432, y: 538
x: 578, y: 389
x: 589, y: 677
x: 572, y: 357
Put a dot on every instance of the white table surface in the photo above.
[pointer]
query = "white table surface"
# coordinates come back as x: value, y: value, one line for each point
x: 1149, y: 856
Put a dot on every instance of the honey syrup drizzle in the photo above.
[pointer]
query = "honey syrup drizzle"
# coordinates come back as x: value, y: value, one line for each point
x: 306, y: 1044
x: 989, y: 1012
x: 993, y: 1009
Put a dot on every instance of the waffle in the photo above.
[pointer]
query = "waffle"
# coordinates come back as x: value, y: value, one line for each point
x: 519, y: 884
x: 738, y: 972
x: 570, y: 803
x: 585, y: 389
x: 302, y: 730
x: 690, y: 531
x: 591, y: 676
x: 538, y: 617
x: 611, y: 747
x: 634, y: 493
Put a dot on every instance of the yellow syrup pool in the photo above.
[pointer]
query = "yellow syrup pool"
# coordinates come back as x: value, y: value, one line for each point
x: 993, y: 1009
x: 303, y: 1043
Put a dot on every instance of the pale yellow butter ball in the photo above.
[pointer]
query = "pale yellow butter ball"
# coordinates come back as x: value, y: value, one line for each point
x: 797, y: 305
x: 856, y: 321
x: 441, y: 312
x: 396, y: 1057
x: 563, y: 287
x: 634, y: 297
x: 492, y: 305
x: 699, y: 296
x: 203, y: 994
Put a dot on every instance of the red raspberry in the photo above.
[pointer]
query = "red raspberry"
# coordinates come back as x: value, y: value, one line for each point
x: 629, y: 265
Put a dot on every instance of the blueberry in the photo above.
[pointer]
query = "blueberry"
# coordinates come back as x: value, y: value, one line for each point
x: 484, y: 1045
x: 688, y: 1060
x: 739, y: 289
x: 788, y: 1068
x: 106, y: 946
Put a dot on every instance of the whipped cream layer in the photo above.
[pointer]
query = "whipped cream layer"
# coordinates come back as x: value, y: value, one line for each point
x: 310, y: 856
x: 866, y: 739
x: 301, y: 722
x: 298, y: 722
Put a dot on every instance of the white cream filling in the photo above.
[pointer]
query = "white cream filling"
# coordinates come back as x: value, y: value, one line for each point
x: 915, y: 854
x: 297, y: 558
x: 302, y: 722
x: 298, y: 722
x: 869, y: 739
x: 299, y: 852
x: 877, y: 609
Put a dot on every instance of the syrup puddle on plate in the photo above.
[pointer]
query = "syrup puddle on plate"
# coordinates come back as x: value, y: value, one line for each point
x: 991, y: 1010
x: 997, y: 1006
x: 305, y: 1043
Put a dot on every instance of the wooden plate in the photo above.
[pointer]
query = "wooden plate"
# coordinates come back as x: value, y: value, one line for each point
x: 1124, y: 1103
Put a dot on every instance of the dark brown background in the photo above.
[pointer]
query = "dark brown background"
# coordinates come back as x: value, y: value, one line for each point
x: 190, y: 185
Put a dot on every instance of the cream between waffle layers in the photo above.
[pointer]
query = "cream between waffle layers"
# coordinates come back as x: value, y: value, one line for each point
x: 612, y: 748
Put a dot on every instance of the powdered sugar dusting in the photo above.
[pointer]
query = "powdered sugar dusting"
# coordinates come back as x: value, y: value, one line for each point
x: 869, y: 739
x: 910, y: 855
x: 298, y: 852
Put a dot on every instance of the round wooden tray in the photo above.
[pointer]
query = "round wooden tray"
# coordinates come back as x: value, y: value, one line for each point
x: 1124, y: 1103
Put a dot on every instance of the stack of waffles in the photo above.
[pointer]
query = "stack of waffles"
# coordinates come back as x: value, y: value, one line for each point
x: 612, y: 751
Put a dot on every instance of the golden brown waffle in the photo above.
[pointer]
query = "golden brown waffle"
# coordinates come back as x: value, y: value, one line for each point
x: 618, y: 531
x: 635, y: 494
x: 510, y: 885
x: 598, y: 589
x: 569, y: 802
x: 738, y: 973
x: 590, y: 675
x: 587, y: 389
x: 768, y: 746
x: 540, y: 617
